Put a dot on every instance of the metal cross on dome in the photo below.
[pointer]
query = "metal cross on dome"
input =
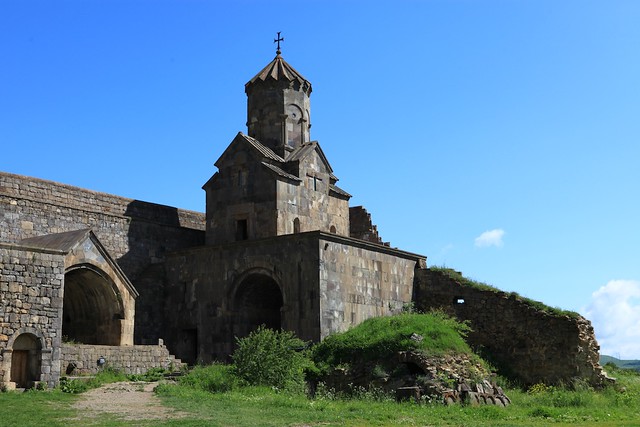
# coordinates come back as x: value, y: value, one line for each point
x: 278, y: 40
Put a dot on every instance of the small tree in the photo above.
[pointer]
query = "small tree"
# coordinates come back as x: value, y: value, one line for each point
x: 272, y: 358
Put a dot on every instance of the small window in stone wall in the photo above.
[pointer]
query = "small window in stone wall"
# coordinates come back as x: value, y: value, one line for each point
x: 314, y: 183
x: 458, y: 300
x: 242, y: 229
x: 296, y: 225
x: 333, y: 229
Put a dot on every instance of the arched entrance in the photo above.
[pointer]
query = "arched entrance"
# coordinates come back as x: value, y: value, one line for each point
x: 92, y: 309
x: 26, y: 360
x: 258, y: 301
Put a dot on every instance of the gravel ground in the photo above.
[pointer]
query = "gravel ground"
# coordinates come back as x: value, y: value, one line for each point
x: 125, y: 400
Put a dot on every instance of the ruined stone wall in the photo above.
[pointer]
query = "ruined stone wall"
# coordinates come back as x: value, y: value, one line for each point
x: 135, y: 233
x: 31, y: 303
x: 525, y: 342
x: 361, y: 226
x: 81, y: 359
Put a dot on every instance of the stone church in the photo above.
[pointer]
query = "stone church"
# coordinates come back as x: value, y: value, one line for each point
x: 88, y: 276
x: 278, y: 246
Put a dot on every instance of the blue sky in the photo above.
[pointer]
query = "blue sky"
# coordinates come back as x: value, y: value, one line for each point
x: 499, y: 138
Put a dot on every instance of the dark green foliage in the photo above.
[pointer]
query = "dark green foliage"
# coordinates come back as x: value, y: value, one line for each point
x: 381, y: 337
x: 271, y: 358
x: 216, y: 378
x: 458, y: 277
x: 153, y: 374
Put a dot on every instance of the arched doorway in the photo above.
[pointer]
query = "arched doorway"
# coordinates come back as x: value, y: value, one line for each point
x: 26, y: 360
x: 258, y: 301
x: 92, y: 309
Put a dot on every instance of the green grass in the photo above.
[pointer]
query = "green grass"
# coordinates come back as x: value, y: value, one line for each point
x: 549, y: 406
x: 250, y: 406
x: 382, y: 337
x: 35, y: 408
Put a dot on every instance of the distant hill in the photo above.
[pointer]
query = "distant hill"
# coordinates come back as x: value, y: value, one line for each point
x: 627, y: 364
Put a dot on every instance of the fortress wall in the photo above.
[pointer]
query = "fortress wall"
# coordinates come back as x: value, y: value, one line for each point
x: 535, y: 346
x: 135, y: 233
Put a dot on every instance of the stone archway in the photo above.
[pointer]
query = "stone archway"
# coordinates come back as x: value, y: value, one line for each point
x: 92, y: 311
x: 257, y: 301
x: 26, y: 360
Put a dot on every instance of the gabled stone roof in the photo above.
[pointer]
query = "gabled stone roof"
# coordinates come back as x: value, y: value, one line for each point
x: 263, y: 150
x: 339, y: 191
x: 63, y: 242
x: 276, y: 164
x: 280, y: 172
x: 68, y: 242
x: 279, y: 70
x: 305, y: 149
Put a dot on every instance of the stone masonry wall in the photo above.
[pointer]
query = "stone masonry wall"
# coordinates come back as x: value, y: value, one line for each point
x: 361, y: 280
x: 135, y: 233
x: 81, y: 359
x: 31, y: 302
x: 529, y: 344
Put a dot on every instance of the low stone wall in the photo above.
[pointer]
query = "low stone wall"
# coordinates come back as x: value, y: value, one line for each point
x: 82, y: 359
x: 529, y: 344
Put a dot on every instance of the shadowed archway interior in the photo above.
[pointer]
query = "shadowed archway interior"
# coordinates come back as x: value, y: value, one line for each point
x: 258, y: 301
x: 93, y: 310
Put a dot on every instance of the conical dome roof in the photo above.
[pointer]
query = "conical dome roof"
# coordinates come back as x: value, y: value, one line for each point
x: 279, y: 70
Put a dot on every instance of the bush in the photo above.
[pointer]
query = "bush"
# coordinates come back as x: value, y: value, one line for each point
x: 272, y: 358
x: 216, y: 378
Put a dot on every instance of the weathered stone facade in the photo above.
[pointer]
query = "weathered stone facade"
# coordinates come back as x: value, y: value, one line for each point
x: 312, y: 283
x: 278, y: 245
x: 30, y: 314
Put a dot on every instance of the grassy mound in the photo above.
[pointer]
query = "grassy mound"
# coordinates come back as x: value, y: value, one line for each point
x: 382, y: 337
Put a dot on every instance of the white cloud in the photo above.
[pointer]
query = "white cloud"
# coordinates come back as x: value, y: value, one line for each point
x: 614, y: 312
x: 490, y: 238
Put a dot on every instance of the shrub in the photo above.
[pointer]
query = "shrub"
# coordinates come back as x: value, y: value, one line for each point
x: 271, y: 358
x: 214, y: 378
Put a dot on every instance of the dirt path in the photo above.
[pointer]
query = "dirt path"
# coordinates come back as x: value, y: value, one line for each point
x: 125, y: 400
